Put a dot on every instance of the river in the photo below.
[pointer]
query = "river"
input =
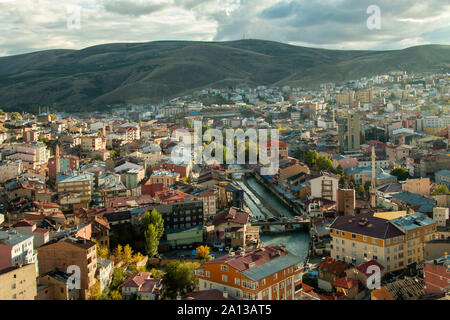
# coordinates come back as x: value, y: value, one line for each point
x: 263, y: 203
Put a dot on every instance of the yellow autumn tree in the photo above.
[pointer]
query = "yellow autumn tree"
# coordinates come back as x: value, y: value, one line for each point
x: 118, y: 252
x: 127, y: 255
x: 203, y: 252
x: 115, y: 295
x: 94, y: 292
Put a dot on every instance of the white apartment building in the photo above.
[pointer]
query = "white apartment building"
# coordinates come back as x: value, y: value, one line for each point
x: 16, y: 249
x: 10, y: 170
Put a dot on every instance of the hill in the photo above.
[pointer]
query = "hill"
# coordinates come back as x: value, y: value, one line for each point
x: 147, y: 72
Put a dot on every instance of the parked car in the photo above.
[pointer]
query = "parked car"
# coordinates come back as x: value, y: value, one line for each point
x: 227, y: 248
x: 220, y: 249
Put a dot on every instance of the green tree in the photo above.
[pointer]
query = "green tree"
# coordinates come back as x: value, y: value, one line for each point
x: 323, y: 163
x: 119, y: 277
x: 440, y: 189
x: 401, y: 173
x: 154, y: 218
x: 151, y: 241
x: 361, y: 191
x: 351, y: 184
x: 15, y: 116
x: 311, y: 157
x: 179, y: 275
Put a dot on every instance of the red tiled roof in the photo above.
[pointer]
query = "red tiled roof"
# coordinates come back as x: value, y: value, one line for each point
x: 362, y: 267
x: 330, y: 265
x: 230, y: 215
x: 255, y: 257
x: 142, y: 281
x: 41, y: 230
x: 24, y: 223
x: 345, y: 282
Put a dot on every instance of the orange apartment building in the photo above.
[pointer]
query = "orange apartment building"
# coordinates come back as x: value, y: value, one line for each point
x: 268, y: 273
x: 394, y: 244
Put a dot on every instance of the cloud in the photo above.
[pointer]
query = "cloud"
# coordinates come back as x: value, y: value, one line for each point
x: 30, y: 25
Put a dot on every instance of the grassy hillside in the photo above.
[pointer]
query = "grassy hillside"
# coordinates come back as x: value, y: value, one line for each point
x: 147, y: 72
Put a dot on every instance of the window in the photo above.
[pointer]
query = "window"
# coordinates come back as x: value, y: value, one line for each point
x: 224, y: 268
x: 275, y: 276
x: 343, y: 233
x: 237, y: 281
x: 365, y: 238
x: 224, y: 278
x: 353, y: 236
x: 263, y: 282
x: 207, y: 274
x: 374, y: 241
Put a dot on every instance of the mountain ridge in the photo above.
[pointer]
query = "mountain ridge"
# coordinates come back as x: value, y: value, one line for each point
x: 146, y: 72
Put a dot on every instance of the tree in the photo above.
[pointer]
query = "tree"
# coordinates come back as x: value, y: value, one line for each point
x: 401, y: 173
x: 351, y: 184
x: 151, y: 240
x: 179, y: 275
x: 127, y: 254
x: 115, y: 295
x: 15, y: 116
x: 323, y: 163
x: 440, y: 189
x: 119, y: 277
x: 94, y: 292
x: 118, y: 252
x: 154, y: 218
x: 311, y: 157
x: 203, y: 252
x: 361, y: 191
x: 102, y: 251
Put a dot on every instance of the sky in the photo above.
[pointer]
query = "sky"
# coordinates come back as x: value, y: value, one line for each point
x: 34, y: 25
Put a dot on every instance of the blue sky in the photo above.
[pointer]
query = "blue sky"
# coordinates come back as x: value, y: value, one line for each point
x: 32, y: 25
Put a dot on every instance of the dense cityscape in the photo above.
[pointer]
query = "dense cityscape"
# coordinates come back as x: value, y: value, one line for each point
x: 94, y: 207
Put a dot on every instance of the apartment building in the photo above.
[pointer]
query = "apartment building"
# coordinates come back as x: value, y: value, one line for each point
x: 418, y: 229
x: 437, y: 275
x: 268, y: 273
x: 232, y: 228
x: 345, y: 202
x: 66, y: 253
x: 18, y: 282
x: 365, y: 96
x: 16, y: 249
x: 420, y: 186
x: 40, y: 235
x: 443, y: 177
x: 34, y: 154
x: 393, y: 243
x: 81, y: 184
x: 10, y: 169
x: 323, y: 186
x: 93, y: 143
x: 167, y: 178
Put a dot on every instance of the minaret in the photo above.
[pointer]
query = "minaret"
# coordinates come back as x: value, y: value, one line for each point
x: 373, y: 189
x: 57, y: 159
